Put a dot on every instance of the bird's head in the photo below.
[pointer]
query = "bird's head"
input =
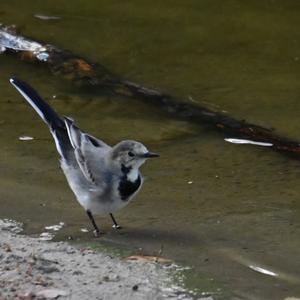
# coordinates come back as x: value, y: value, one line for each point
x: 131, y: 154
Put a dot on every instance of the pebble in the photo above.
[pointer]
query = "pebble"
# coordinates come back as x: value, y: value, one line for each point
x: 52, y: 293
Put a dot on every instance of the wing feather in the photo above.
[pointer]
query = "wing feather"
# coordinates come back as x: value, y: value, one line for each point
x: 89, y: 153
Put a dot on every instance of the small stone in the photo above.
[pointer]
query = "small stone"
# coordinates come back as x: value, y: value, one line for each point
x: 27, y: 296
x: 52, y: 293
x: 7, y: 248
x: 77, y: 273
x: 49, y: 269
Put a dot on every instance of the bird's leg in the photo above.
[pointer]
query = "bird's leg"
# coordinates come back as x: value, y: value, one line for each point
x: 96, y: 231
x: 116, y: 225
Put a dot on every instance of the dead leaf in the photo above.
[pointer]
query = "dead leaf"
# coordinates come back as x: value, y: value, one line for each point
x: 83, y: 65
x: 27, y: 55
x: 148, y: 258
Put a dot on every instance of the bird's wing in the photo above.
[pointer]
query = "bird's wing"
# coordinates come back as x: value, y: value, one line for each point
x: 90, y: 153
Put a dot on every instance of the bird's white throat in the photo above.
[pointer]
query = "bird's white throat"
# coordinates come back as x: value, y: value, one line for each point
x: 133, y: 174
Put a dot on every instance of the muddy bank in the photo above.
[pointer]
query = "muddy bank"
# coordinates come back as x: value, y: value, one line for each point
x: 35, y: 269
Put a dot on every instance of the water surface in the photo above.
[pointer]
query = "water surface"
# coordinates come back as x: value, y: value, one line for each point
x: 230, y: 212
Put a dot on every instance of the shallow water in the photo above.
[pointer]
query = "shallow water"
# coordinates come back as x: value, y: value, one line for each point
x: 231, y: 212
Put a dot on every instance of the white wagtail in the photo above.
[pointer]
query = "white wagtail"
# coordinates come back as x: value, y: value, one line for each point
x: 104, y: 179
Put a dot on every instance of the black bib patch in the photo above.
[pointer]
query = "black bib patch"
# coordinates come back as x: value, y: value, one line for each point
x: 126, y: 187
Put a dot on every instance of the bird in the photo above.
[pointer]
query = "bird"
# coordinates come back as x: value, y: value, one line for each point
x: 103, y: 178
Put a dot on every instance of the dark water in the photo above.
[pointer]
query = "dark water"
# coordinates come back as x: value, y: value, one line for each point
x: 230, y: 212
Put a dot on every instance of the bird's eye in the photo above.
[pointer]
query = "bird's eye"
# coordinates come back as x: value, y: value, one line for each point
x: 131, y: 154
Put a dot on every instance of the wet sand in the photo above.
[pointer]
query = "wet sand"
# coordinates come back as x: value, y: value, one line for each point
x: 35, y: 269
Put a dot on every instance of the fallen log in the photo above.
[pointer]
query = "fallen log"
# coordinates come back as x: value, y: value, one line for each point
x: 82, y: 72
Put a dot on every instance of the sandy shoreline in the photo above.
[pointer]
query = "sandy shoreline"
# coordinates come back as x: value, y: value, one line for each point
x: 34, y: 269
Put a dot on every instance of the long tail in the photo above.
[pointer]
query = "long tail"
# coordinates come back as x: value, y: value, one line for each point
x: 55, y: 123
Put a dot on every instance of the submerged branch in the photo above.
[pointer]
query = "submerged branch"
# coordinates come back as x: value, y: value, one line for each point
x: 65, y: 64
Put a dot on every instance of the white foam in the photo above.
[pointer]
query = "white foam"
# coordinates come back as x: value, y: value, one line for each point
x: 241, y: 141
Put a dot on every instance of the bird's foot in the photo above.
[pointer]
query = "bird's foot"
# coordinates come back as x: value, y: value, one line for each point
x: 97, y: 233
x: 117, y: 227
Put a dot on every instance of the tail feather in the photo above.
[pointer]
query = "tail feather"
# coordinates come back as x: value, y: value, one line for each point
x: 50, y: 117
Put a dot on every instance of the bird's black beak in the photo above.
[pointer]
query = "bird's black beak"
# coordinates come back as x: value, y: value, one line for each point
x: 149, y: 155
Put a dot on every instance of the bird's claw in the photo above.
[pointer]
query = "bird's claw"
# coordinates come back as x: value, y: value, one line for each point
x: 96, y: 233
x: 117, y: 227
